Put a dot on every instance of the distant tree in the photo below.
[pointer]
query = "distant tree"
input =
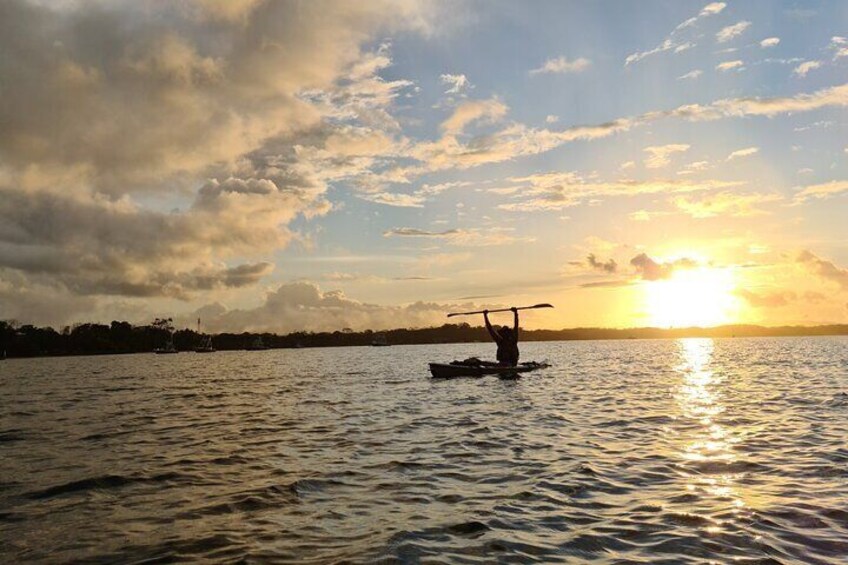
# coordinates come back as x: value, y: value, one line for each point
x: 165, y: 324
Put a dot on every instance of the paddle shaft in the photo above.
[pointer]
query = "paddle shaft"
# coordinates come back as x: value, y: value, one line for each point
x: 500, y: 310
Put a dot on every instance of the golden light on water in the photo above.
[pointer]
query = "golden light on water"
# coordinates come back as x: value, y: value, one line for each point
x: 692, y: 297
x: 709, y: 442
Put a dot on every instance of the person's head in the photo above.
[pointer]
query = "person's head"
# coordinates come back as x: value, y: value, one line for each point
x: 505, y: 332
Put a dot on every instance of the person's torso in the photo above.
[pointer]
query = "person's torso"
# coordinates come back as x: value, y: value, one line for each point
x: 507, y: 351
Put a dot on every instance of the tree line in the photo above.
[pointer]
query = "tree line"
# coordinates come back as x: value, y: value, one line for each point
x: 122, y: 337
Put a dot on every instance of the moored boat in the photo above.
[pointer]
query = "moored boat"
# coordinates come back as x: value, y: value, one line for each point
x: 205, y: 345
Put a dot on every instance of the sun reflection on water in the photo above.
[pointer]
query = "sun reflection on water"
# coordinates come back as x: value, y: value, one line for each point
x: 708, y: 445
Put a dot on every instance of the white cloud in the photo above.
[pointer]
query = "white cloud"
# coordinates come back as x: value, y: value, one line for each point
x: 839, y: 45
x: 691, y: 74
x: 805, y: 67
x: 463, y: 237
x: 671, y: 43
x: 732, y: 31
x: 551, y: 119
x: 558, y: 190
x: 458, y: 84
x: 709, y: 10
x: 747, y: 152
x: 398, y: 199
x: 769, y: 42
x: 731, y: 65
x: 694, y: 167
x: 724, y: 204
x: 660, y: 156
x: 823, y: 190
x: 561, y: 65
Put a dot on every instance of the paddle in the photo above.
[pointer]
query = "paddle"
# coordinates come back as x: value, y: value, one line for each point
x: 501, y: 310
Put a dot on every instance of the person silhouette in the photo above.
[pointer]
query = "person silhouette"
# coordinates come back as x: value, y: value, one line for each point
x: 506, y: 338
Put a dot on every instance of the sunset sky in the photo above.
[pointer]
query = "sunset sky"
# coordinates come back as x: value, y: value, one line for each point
x: 279, y: 166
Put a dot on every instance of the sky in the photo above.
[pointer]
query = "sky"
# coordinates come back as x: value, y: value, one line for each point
x: 285, y: 166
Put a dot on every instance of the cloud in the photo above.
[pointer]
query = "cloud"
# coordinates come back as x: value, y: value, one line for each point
x: 691, y: 74
x: 731, y: 65
x: 606, y: 284
x: 694, y: 167
x: 303, y: 306
x: 99, y: 246
x: 397, y: 199
x: 805, y: 67
x: 455, y: 150
x: 710, y: 9
x: 771, y: 300
x: 458, y: 84
x: 839, y: 46
x: 463, y: 237
x: 551, y: 119
x: 652, y: 270
x: 609, y: 266
x: 824, y: 269
x: 671, y: 43
x: 724, y: 204
x: 561, y: 65
x: 238, y: 115
x: 644, y: 215
x: 769, y: 42
x: 747, y: 152
x: 822, y: 190
x: 732, y: 31
x: 660, y: 155
x: 474, y: 111
x: 558, y: 190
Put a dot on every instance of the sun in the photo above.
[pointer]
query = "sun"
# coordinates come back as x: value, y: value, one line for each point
x: 692, y: 297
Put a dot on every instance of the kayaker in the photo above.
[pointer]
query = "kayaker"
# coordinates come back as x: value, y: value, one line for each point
x: 506, y: 338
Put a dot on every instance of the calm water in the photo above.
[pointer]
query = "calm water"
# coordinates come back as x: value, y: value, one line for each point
x: 687, y: 451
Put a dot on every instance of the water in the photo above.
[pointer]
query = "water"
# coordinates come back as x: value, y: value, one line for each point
x: 687, y: 451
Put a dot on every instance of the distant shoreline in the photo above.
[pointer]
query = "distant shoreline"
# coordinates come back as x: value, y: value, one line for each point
x: 122, y: 337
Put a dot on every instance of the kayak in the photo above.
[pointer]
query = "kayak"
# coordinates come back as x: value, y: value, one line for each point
x: 461, y: 369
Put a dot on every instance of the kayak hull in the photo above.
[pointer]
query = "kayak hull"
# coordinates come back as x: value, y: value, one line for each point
x: 455, y: 369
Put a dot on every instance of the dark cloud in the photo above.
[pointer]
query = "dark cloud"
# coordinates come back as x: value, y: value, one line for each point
x: 415, y: 232
x: 605, y: 266
x: 651, y: 270
x: 824, y: 269
x: 606, y: 284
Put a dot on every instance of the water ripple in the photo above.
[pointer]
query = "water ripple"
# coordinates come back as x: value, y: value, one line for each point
x: 689, y: 451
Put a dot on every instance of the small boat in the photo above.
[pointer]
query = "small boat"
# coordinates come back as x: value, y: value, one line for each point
x: 168, y: 348
x: 380, y: 341
x: 205, y: 345
x: 256, y: 345
x: 476, y: 368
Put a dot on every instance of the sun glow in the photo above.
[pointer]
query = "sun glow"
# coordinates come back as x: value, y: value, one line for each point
x: 692, y: 297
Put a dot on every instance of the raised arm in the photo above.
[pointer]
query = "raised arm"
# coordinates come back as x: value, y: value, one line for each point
x: 489, y: 327
x: 515, y: 324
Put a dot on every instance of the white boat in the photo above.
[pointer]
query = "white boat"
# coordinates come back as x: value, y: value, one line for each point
x: 205, y: 344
